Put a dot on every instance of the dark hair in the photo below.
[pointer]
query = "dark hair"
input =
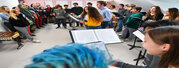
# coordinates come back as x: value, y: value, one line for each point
x: 57, y: 6
x: 160, y: 23
x: 173, y: 13
x: 3, y: 7
x: 138, y: 8
x: 102, y: 3
x: 157, y: 12
x: 90, y: 3
x: 113, y: 6
x: 65, y: 5
x: 167, y: 35
x: 94, y: 13
x: 75, y: 3
x: 122, y: 5
x: 84, y: 13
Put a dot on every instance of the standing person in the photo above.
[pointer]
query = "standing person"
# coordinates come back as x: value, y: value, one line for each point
x: 89, y: 4
x: 20, y: 23
x: 43, y: 14
x: 171, y: 14
x: 154, y: 14
x: 105, y: 12
x: 59, y: 15
x: 94, y: 18
x: 49, y: 11
x: 67, y: 18
x: 77, y: 10
x: 132, y: 24
x: 121, y: 11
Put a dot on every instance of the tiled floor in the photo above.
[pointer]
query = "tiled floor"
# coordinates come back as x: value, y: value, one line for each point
x: 12, y: 58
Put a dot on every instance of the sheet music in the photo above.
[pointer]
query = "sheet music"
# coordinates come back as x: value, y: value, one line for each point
x: 107, y: 35
x: 140, y: 35
x: 73, y: 17
x: 100, y: 45
x: 84, y: 36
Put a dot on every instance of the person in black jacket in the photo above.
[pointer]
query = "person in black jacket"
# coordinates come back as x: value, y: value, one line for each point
x: 20, y: 23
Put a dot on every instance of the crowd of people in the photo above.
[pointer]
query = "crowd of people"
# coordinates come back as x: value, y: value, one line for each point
x: 161, y: 30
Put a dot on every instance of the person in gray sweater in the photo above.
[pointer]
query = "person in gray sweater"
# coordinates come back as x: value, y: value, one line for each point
x: 59, y: 14
x: 150, y: 61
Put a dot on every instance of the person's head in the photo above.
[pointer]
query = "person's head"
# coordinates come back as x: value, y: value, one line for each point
x: 75, y: 4
x: 136, y: 9
x: 42, y: 8
x: 70, y: 56
x: 66, y: 6
x: 163, y: 42
x: 89, y: 4
x: 101, y: 4
x: 112, y: 7
x: 34, y: 5
x: 48, y: 6
x: 173, y: 13
x: 127, y: 7
x: 155, y: 10
x: 148, y: 26
x: 85, y: 12
x: 131, y: 6
x: 121, y: 5
x: 94, y: 13
x: 5, y: 8
x: 38, y: 4
x: 14, y: 13
x: 23, y: 5
x: 2, y: 10
x: 16, y: 8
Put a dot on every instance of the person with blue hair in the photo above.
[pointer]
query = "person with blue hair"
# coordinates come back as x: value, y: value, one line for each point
x: 70, y: 56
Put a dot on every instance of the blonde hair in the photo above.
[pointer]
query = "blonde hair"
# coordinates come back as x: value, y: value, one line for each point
x: 13, y: 14
x: 2, y: 10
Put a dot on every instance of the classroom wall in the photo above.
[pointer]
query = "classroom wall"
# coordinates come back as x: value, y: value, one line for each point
x: 54, y: 2
x: 9, y: 3
x: 146, y: 4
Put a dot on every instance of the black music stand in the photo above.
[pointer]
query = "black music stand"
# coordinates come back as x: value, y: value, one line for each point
x: 135, y: 39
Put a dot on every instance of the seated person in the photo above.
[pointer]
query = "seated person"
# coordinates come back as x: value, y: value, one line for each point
x: 70, y: 56
x: 151, y: 61
x: 132, y: 24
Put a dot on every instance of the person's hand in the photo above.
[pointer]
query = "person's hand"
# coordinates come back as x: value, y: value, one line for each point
x: 114, y: 64
x: 72, y: 14
x: 150, y: 20
x: 82, y: 22
x: 53, y: 14
x: 117, y: 17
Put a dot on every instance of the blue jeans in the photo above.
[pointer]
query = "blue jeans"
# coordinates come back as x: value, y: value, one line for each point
x: 91, y: 27
x: 120, y: 25
x: 59, y: 21
x: 110, y: 23
x: 104, y: 24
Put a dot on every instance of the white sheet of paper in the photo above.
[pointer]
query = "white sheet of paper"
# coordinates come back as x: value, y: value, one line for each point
x: 107, y: 36
x: 84, y: 36
x: 62, y: 3
x: 73, y: 17
x: 140, y: 35
x: 101, y: 46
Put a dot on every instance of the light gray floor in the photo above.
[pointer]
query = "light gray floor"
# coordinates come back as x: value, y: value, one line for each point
x: 12, y: 58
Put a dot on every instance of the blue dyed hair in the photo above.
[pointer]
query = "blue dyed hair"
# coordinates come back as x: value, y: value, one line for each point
x: 70, y: 56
